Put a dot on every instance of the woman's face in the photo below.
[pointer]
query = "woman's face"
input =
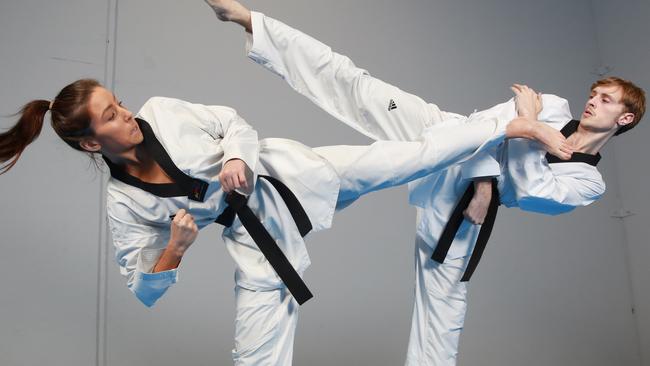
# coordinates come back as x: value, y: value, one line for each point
x: 115, y: 129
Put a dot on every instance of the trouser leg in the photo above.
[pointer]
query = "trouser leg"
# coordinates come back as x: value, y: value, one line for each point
x: 265, y: 325
x: 384, y: 164
x: 439, y: 309
x: 332, y: 81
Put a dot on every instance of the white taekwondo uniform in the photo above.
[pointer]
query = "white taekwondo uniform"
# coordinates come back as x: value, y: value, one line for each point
x: 384, y: 112
x: 196, y: 140
x: 527, y: 181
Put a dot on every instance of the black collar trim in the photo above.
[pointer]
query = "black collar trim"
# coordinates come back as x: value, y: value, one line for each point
x: 577, y: 157
x: 183, y: 185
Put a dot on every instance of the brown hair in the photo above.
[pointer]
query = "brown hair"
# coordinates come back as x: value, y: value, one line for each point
x: 633, y: 99
x: 70, y: 120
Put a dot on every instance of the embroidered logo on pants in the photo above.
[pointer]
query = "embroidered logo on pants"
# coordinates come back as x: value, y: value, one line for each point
x: 392, y: 105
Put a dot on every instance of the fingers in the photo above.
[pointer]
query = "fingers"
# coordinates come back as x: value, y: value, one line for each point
x: 566, y: 151
x: 521, y: 88
x: 227, y: 184
x: 468, y: 216
x: 179, y: 216
x: 233, y: 175
x: 564, y: 156
x: 242, y: 180
x: 524, y: 89
x: 474, y: 216
x: 226, y: 180
x: 230, y: 182
x: 563, y: 150
x: 186, y: 221
x: 515, y: 90
x: 183, y: 219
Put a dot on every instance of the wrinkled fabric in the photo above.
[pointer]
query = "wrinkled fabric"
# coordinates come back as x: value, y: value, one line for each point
x: 384, y: 112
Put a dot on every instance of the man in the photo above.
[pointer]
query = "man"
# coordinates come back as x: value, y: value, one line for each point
x: 528, y: 178
x: 551, y: 184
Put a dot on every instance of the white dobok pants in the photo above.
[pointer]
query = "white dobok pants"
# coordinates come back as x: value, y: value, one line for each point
x: 412, y: 143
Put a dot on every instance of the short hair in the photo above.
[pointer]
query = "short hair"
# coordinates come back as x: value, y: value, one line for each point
x: 633, y: 99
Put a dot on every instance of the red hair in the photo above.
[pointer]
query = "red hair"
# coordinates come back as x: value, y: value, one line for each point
x: 633, y: 99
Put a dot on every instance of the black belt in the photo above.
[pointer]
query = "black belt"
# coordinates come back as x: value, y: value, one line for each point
x: 449, y: 233
x: 237, y: 206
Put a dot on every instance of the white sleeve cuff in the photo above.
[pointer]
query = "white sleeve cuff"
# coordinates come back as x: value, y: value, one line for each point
x: 481, y: 165
x: 149, y: 287
x: 258, y: 44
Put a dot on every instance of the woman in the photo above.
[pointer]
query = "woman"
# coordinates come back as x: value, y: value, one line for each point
x: 173, y: 164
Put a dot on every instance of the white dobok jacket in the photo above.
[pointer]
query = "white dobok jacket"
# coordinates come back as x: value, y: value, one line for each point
x: 525, y: 180
x: 199, y: 139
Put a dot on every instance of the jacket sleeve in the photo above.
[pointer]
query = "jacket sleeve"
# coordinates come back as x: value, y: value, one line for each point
x: 547, y: 189
x: 238, y: 139
x: 485, y: 164
x: 137, y: 249
x: 542, y: 188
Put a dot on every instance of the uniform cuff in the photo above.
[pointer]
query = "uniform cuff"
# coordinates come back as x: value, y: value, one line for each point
x: 149, y: 287
x: 482, y: 165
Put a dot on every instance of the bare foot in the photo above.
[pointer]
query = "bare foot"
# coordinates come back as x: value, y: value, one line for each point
x: 231, y: 11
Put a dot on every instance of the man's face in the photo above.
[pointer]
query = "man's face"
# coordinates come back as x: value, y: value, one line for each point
x: 604, y: 109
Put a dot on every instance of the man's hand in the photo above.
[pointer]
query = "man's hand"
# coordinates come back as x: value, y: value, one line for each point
x: 529, y: 105
x: 233, y: 175
x: 527, y: 101
x: 478, y: 206
x: 553, y: 140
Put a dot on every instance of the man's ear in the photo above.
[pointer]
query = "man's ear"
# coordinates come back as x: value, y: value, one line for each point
x: 624, y: 119
x: 90, y: 145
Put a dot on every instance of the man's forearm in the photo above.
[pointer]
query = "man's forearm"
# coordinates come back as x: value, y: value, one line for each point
x: 478, y: 206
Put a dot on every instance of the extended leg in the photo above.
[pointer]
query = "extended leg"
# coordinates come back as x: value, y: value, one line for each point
x: 373, y: 107
x: 384, y: 164
x: 379, y: 110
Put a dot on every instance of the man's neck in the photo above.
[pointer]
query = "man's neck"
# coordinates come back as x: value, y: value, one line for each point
x: 588, y: 141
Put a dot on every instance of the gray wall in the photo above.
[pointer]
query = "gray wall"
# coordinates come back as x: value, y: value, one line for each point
x: 550, y: 290
x: 623, y: 30
x: 50, y: 224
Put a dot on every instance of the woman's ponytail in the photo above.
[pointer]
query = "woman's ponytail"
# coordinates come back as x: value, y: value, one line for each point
x: 14, y: 141
x: 70, y: 120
